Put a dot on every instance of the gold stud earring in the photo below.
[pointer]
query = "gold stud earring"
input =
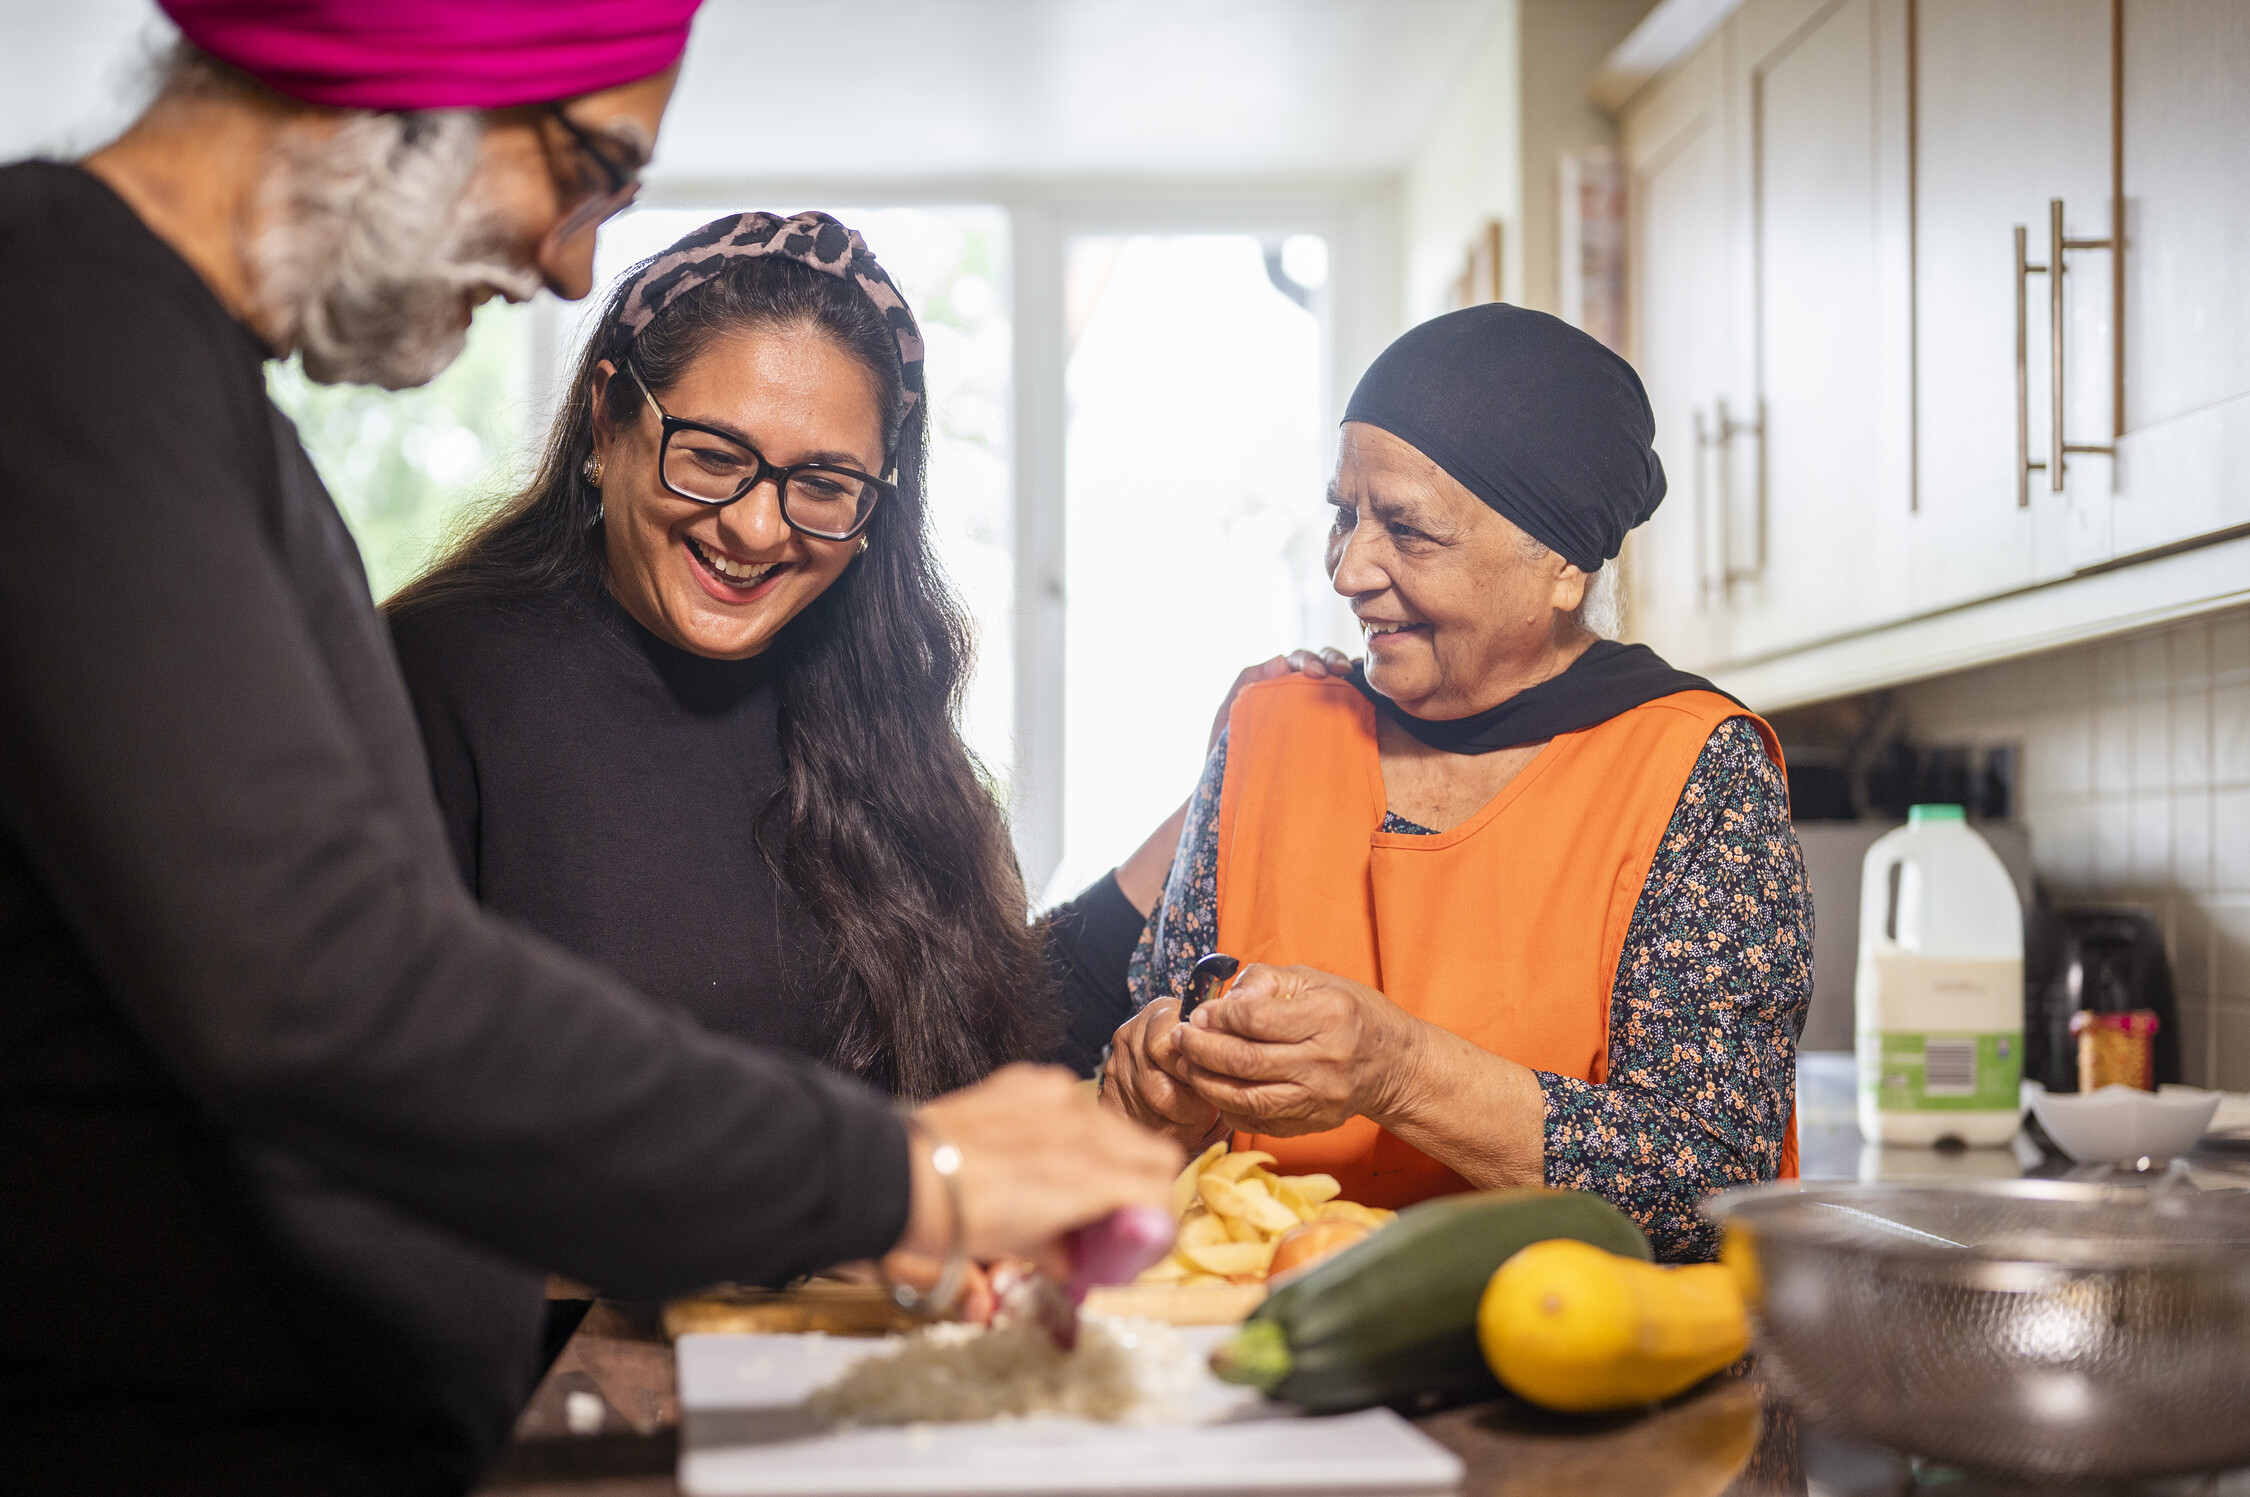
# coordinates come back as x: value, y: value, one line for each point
x: 592, y: 468
x: 863, y: 545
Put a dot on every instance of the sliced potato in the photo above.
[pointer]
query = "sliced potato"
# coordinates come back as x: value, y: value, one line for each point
x: 1289, y: 1196
x: 1183, y: 1188
x: 1201, y: 1231
x: 1229, y: 1258
x: 1221, y: 1197
x: 1262, y: 1211
x: 1352, y: 1211
x: 1235, y: 1166
x: 1169, y: 1270
x: 1233, y: 1211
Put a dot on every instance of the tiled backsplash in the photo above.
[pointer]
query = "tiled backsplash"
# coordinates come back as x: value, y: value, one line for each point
x: 2136, y: 787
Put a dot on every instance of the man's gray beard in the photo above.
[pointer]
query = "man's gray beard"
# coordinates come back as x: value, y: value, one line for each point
x: 369, y: 248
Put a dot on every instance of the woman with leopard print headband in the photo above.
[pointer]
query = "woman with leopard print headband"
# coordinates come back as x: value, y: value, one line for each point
x: 689, y: 698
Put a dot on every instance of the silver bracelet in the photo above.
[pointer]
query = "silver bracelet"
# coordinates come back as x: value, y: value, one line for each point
x: 937, y: 1302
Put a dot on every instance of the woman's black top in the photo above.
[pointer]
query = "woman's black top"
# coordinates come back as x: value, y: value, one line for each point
x: 602, y: 787
x: 289, y: 1128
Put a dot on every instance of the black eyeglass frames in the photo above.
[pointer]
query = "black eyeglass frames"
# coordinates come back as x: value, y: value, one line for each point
x: 712, y: 467
x: 618, y: 187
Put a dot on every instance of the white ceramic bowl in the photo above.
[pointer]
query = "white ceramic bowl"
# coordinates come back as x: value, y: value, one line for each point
x: 2123, y: 1122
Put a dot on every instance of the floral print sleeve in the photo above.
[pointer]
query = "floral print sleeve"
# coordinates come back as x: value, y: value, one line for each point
x: 1709, y: 997
x: 1185, y: 922
x: 1710, y: 994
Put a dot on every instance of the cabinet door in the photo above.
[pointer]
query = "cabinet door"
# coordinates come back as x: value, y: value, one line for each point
x: 2184, y: 461
x: 1675, y: 150
x: 1819, y: 489
x: 2011, y: 112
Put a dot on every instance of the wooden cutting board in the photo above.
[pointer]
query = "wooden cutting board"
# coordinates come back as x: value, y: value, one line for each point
x: 829, y: 1306
x: 835, y: 1308
x: 1176, y: 1304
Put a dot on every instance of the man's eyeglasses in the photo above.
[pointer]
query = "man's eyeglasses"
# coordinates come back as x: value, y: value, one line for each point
x: 711, y: 467
x: 616, y: 186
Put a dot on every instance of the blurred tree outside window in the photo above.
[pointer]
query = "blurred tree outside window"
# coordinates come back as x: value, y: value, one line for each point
x: 406, y: 467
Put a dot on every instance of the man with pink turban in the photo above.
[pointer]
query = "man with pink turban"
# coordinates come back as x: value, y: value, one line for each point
x: 289, y: 1129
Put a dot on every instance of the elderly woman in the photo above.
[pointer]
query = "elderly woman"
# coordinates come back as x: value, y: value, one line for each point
x: 1524, y: 904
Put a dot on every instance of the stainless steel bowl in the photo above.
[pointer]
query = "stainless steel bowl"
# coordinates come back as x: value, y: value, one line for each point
x: 2033, y: 1327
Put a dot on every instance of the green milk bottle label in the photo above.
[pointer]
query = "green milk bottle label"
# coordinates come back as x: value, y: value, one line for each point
x: 1957, y: 1072
x: 1942, y: 1035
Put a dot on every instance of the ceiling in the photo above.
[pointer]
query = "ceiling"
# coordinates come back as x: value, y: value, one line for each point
x: 890, y: 89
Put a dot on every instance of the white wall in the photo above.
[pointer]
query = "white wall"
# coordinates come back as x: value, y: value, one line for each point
x: 1466, y: 169
x: 75, y: 71
x: 2136, y: 788
x: 1563, y: 41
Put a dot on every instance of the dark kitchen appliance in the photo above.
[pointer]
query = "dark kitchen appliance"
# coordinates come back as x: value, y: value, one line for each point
x: 2108, y: 961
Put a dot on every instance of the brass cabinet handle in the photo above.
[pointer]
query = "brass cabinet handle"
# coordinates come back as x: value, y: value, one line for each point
x: 2055, y: 268
x: 2025, y: 463
x: 1703, y: 444
x: 1729, y: 429
x: 1719, y: 435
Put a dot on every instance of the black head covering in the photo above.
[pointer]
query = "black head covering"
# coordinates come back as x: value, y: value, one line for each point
x: 1530, y: 415
x: 1610, y: 679
x: 1553, y: 431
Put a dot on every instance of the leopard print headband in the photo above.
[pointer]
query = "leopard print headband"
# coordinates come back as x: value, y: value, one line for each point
x: 812, y: 239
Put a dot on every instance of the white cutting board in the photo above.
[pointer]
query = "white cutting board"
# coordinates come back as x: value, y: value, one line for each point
x: 744, y: 1433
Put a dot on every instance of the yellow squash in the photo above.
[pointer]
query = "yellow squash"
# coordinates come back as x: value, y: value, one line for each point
x: 1571, y: 1327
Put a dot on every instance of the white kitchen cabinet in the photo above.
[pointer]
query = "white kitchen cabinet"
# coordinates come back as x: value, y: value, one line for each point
x: 1675, y: 150
x: 1828, y: 201
x: 2184, y: 459
x: 1770, y: 258
x: 2011, y: 113
x: 1818, y: 516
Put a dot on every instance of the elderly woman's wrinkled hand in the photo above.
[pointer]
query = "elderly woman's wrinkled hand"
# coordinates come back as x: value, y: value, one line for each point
x: 1143, y: 1079
x: 1294, y: 1050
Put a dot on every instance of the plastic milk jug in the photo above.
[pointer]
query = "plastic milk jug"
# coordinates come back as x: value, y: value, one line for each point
x: 1940, y: 986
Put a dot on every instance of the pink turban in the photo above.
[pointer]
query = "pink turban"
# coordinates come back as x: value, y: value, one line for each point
x: 438, y: 54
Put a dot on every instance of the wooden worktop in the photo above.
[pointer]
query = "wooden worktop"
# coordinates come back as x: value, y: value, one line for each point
x: 1735, y: 1436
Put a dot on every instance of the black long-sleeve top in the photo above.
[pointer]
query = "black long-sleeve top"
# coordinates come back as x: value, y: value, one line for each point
x: 600, y: 785
x: 289, y: 1128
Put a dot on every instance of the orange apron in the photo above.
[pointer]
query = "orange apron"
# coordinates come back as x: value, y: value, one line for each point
x: 1505, y: 930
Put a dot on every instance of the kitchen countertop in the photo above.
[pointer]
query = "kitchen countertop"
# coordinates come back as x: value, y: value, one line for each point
x: 1829, y: 1146
x: 1732, y: 1436
x: 1736, y: 1435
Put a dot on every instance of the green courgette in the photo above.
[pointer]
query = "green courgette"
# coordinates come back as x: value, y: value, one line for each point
x: 1392, y: 1319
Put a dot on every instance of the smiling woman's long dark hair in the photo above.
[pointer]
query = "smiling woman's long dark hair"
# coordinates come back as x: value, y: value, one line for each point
x: 883, y: 826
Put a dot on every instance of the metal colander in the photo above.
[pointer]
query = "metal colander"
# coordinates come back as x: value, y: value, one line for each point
x: 2032, y: 1327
